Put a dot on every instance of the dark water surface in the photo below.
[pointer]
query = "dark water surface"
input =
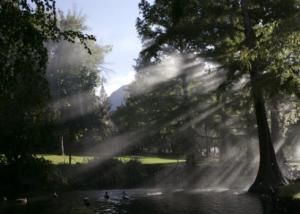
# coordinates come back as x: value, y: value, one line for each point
x: 141, y: 201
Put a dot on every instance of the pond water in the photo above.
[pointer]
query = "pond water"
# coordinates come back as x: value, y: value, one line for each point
x: 140, y: 201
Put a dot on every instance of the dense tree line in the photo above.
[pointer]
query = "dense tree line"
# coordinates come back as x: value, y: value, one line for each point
x: 45, y: 92
x: 253, y: 44
x: 211, y: 77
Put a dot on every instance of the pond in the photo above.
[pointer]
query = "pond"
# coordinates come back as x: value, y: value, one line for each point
x: 141, y: 201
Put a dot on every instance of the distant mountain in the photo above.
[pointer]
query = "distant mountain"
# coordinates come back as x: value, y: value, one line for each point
x: 118, y: 97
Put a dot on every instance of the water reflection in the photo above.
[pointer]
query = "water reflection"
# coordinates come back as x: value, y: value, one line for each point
x: 201, y: 201
x: 272, y: 205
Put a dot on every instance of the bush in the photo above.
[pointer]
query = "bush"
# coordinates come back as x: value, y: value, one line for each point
x: 135, y: 173
x: 31, y: 174
x: 110, y: 174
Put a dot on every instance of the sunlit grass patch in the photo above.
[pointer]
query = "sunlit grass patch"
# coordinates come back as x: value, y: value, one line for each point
x: 296, y: 196
x: 64, y: 159
x: 150, y: 159
x: 291, y: 191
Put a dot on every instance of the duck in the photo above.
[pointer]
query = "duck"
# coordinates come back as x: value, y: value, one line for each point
x: 86, y: 201
x: 124, y: 196
x: 55, y: 195
x: 106, y: 196
x: 22, y: 200
x: 4, y: 198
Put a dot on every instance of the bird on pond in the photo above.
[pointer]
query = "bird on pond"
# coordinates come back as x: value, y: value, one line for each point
x: 86, y: 201
x: 106, y: 196
x: 22, y: 200
x: 124, y: 196
x: 55, y: 195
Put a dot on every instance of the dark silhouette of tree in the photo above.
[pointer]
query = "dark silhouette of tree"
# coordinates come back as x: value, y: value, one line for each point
x: 24, y: 28
x: 240, y: 35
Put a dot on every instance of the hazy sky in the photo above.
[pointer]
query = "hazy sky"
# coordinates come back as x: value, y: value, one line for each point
x: 113, y: 23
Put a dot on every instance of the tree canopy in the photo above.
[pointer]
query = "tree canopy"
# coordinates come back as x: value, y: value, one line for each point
x: 240, y: 36
x: 24, y: 28
x: 74, y: 76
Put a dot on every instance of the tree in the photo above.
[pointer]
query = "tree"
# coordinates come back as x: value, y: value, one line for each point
x: 74, y: 76
x: 24, y: 28
x: 236, y: 34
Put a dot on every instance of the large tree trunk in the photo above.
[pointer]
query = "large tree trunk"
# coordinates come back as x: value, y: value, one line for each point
x: 269, y: 175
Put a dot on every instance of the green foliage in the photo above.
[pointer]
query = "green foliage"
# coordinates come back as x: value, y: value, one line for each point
x: 74, y: 75
x: 114, y: 173
x: 40, y: 173
x: 215, y: 29
x: 248, y: 38
x: 31, y: 174
x: 150, y: 112
x: 24, y: 28
x: 109, y: 174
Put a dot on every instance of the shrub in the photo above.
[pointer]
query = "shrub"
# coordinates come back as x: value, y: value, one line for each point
x: 31, y: 174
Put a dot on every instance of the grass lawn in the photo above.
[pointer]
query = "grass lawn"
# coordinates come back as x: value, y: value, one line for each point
x: 150, y: 159
x: 291, y: 191
x: 60, y: 159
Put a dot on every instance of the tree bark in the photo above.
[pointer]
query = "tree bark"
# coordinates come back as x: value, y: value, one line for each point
x: 62, y: 148
x: 269, y: 175
x: 70, y: 159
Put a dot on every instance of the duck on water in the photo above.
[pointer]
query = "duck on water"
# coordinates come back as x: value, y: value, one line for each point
x: 22, y: 200
x: 86, y: 201
x: 106, y: 196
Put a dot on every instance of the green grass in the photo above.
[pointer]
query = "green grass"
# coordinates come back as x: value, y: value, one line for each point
x: 60, y: 159
x: 150, y: 159
x: 291, y: 191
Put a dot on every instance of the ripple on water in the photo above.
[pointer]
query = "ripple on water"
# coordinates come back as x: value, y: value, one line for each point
x: 154, y: 193
x: 209, y: 201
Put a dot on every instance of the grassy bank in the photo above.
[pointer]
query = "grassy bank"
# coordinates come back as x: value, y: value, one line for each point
x: 150, y: 159
x: 291, y: 191
x: 61, y: 159
x: 64, y: 159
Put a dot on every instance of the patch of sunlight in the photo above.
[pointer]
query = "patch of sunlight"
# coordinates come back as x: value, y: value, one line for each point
x: 295, y: 165
x: 150, y: 159
x: 296, y: 196
x: 64, y: 159
x: 290, y: 191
